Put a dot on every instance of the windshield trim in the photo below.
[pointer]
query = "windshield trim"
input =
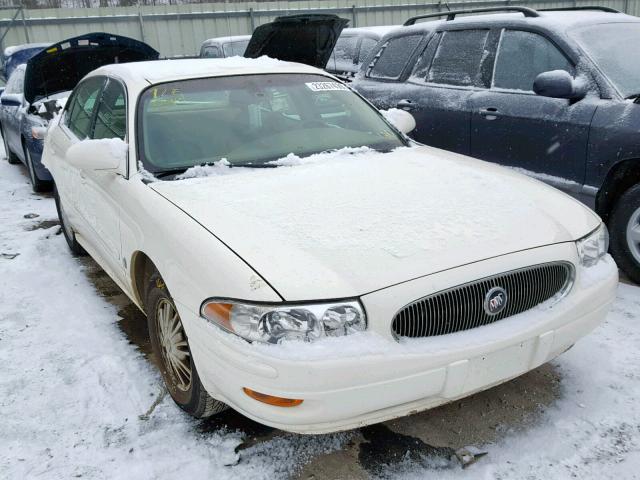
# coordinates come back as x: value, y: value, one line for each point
x: 139, y: 142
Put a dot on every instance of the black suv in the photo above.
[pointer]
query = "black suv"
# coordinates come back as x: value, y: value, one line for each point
x: 552, y: 92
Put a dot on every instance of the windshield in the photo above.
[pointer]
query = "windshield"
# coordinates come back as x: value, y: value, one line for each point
x: 614, y: 47
x: 251, y: 120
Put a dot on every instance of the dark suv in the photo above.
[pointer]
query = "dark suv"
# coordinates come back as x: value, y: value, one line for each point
x: 552, y: 92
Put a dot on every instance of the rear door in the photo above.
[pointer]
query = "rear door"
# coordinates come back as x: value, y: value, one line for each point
x: 99, y: 190
x: 511, y: 125
x: 384, y: 81
x: 450, y: 69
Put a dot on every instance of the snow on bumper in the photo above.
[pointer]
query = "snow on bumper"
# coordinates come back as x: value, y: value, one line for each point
x: 367, y: 378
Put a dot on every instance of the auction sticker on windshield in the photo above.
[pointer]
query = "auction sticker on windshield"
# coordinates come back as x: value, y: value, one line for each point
x: 325, y: 86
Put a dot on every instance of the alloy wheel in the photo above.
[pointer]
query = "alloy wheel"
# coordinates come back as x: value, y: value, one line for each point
x: 633, y: 234
x: 176, y: 356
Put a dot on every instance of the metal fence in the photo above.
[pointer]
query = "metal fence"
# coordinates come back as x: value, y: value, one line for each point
x: 176, y: 30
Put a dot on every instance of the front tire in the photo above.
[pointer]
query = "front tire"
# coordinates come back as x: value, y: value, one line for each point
x: 67, y: 231
x: 171, y: 346
x: 624, y: 227
x: 37, y: 184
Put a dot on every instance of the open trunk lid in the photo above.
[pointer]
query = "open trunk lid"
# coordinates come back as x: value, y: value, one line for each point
x: 305, y: 38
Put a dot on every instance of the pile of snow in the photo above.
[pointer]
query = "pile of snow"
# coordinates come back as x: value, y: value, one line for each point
x: 221, y: 167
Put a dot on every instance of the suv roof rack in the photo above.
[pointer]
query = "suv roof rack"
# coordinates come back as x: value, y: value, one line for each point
x: 593, y: 7
x: 527, y: 12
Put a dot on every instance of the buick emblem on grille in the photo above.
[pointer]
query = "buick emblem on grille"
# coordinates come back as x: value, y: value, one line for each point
x: 495, y: 301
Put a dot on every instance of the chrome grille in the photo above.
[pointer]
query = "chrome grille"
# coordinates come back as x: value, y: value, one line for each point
x: 462, y: 307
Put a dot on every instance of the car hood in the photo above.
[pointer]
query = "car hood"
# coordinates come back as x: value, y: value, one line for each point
x: 305, y: 38
x: 348, y: 223
x: 62, y: 65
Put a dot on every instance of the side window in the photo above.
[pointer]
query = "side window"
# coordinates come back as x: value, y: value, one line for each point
x: 211, y: 51
x: 391, y: 60
x: 365, y: 48
x: 82, y: 106
x: 458, y: 58
x: 522, y: 56
x: 111, y: 116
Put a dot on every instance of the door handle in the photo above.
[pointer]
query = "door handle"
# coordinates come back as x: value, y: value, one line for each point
x: 406, y: 105
x: 490, y: 113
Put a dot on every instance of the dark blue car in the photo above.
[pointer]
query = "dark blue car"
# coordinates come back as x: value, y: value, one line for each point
x: 554, y: 93
x: 37, y: 90
x: 19, y: 54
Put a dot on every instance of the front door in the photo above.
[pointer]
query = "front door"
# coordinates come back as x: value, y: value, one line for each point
x: 513, y: 126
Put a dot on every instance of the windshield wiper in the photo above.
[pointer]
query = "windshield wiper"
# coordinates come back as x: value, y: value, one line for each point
x: 169, y: 172
x: 635, y: 97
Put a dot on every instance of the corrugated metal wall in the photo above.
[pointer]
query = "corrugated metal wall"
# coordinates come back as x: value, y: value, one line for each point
x: 180, y: 29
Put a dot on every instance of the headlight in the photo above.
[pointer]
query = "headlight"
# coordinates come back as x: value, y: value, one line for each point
x: 275, y: 323
x: 594, y: 246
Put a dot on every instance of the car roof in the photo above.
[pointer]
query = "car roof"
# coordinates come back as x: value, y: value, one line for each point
x: 159, y: 71
x: 378, y: 30
x: 552, y: 20
x: 231, y: 38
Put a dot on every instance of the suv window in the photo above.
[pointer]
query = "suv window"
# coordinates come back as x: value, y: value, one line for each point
x: 393, y: 57
x: 522, y: 56
x: 80, y: 112
x: 111, y: 117
x: 458, y: 58
x: 366, y: 47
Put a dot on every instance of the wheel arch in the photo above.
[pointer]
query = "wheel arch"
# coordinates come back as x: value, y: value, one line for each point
x: 619, y: 179
x: 141, y: 269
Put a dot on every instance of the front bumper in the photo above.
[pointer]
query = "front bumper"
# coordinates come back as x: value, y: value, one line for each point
x: 351, y: 387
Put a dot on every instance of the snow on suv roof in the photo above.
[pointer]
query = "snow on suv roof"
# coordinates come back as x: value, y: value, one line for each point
x: 169, y: 70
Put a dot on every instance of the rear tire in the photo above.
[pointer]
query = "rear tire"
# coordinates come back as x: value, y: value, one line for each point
x: 37, y: 184
x: 67, y: 231
x: 624, y: 227
x: 12, y: 158
x: 171, y: 346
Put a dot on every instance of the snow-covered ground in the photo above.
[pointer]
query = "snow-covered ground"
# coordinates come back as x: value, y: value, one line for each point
x: 78, y: 400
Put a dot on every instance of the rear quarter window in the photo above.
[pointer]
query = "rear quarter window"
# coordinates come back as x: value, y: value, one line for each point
x: 390, y: 61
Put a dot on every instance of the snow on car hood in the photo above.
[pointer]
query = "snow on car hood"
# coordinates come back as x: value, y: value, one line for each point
x: 345, y: 224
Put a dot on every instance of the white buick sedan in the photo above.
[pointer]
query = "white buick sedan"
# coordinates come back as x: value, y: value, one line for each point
x: 303, y: 262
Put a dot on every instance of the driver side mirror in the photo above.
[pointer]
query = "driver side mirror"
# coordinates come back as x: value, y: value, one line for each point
x: 109, y: 154
x: 559, y: 84
x: 401, y: 119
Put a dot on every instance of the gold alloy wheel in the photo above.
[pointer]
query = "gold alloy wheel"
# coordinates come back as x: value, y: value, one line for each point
x: 176, y: 356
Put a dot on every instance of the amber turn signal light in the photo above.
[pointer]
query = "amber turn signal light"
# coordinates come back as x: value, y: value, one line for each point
x: 271, y: 400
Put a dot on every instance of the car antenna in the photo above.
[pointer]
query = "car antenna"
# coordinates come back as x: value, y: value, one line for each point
x: 446, y: 4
